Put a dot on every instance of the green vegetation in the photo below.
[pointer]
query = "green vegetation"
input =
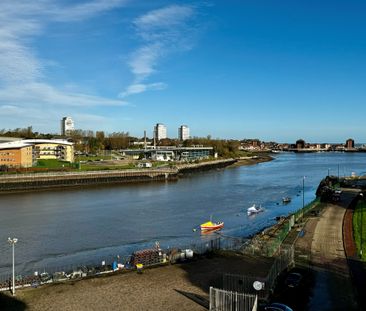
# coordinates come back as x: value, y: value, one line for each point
x: 359, y: 228
x: 91, y: 158
x: 53, y: 164
x: 307, y: 208
x: 91, y: 167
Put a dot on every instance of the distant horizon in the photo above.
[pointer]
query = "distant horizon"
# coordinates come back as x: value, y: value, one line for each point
x: 266, y: 69
x: 357, y: 144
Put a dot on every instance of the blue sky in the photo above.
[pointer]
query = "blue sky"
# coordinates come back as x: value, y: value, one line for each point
x: 267, y: 69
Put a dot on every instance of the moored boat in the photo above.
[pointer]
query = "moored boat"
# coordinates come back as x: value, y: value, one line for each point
x: 209, y: 226
x: 286, y: 200
x: 254, y: 210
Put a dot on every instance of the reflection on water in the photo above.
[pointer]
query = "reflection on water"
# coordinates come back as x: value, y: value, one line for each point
x: 78, y: 226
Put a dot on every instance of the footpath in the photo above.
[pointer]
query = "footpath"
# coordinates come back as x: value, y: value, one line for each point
x: 322, y: 246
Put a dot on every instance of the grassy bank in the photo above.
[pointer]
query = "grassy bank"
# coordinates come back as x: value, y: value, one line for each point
x: 359, y: 228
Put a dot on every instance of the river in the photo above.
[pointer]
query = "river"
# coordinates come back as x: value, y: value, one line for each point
x: 57, y: 228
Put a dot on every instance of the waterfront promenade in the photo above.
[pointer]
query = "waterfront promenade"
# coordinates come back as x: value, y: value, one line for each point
x: 322, y: 243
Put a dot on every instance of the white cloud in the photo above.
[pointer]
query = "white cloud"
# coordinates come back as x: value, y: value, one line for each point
x: 44, y: 94
x: 164, y: 18
x: 84, y: 10
x: 162, y: 32
x: 140, y: 88
x: 24, y: 92
x: 10, y: 110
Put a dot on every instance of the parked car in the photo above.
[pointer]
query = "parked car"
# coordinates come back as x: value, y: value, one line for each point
x: 277, y: 307
x: 293, y: 279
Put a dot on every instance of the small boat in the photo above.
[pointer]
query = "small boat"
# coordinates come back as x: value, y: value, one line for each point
x: 286, y: 200
x: 254, y: 210
x: 210, y: 226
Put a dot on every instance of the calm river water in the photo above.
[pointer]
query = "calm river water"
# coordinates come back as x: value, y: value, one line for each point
x: 79, y: 226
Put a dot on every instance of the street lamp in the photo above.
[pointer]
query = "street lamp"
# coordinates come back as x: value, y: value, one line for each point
x: 328, y: 172
x: 361, y: 242
x: 12, y: 242
x: 303, y: 196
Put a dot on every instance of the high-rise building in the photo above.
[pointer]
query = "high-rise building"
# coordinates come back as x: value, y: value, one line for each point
x: 160, y: 131
x: 67, y: 126
x: 350, y: 143
x: 183, y: 132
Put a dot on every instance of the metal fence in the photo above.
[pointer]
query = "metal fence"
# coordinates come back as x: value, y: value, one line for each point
x: 223, y: 300
x: 245, y: 284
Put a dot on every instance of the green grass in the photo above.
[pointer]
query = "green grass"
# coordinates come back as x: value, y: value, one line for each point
x: 359, y: 233
x: 86, y: 167
x: 52, y: 164
x: 96, y: 158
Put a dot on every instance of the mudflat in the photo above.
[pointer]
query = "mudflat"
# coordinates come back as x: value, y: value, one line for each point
x: 160, y: 288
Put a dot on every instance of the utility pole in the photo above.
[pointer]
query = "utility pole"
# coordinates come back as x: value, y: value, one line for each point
x: 12, y: 242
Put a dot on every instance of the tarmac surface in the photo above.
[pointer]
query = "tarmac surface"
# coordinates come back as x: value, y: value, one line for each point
x: 323, y: 246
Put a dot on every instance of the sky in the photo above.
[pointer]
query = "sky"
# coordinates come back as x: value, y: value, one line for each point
x: 277, y: 70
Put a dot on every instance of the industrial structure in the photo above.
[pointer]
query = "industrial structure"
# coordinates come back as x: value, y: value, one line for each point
x: 171, y: 153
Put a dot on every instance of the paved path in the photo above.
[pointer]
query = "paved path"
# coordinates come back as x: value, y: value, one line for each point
x: 333, y: 288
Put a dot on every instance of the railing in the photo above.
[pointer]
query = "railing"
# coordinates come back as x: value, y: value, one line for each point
x: 244, y: 284
x: 223, y: 300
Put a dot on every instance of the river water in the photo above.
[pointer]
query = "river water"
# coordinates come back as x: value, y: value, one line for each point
x: 69, y: 227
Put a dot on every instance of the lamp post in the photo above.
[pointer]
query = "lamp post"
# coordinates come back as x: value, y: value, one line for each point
x: 328, y: 172
x: 361, y: 239
x: 303, y: 196
x: 12, y: 242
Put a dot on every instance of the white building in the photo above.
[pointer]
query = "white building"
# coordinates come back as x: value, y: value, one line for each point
x: 160, y: 131
x: 67, y: 125
x: 183, y: 132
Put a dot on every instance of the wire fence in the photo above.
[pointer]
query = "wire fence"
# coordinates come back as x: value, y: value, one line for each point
x: 245, y: 284
x: 272, y: 238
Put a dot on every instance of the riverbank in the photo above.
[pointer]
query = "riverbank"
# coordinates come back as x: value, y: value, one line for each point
x: 244, y: 161
x: 171, y: 287
x: 42, y: 181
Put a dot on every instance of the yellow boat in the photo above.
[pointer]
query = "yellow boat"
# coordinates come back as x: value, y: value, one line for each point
x: 209, y: 226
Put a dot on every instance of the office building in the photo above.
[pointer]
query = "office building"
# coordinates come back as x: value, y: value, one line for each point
x: 183, y: 132
x: 160, y: 131
x: 67, y: 126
